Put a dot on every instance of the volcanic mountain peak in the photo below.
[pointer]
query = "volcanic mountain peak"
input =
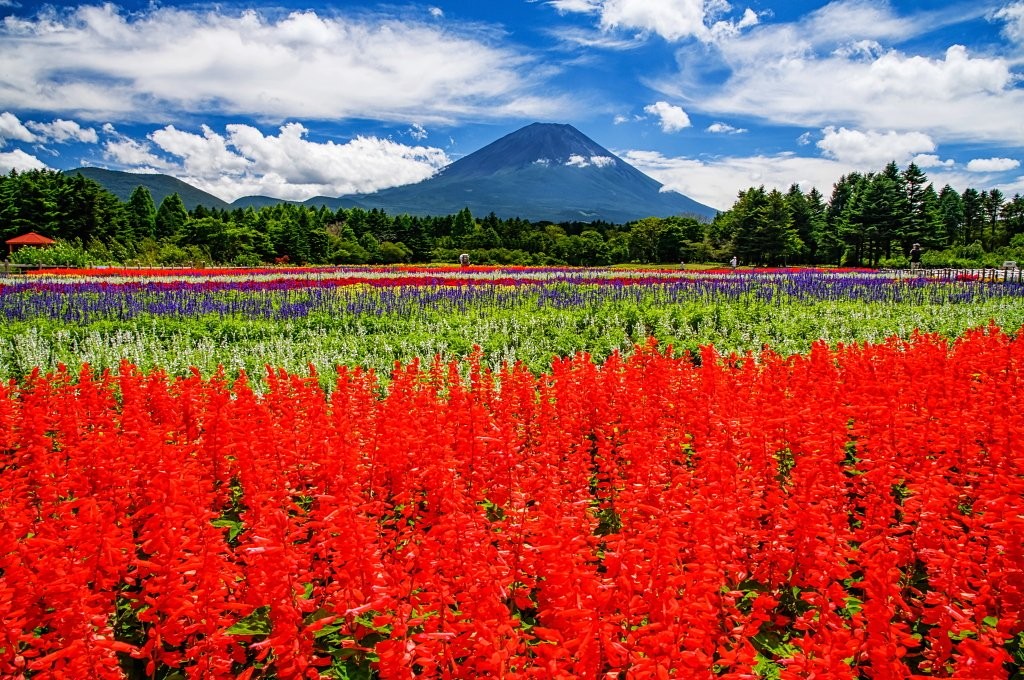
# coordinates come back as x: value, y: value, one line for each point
x: 544, y: 171
x: 542, y: 144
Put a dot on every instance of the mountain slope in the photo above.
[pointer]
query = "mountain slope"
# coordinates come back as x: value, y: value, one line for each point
x: 544, y: 171
x: 122, y: 184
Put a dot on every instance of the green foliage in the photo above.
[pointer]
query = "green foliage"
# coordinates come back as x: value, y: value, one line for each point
x: 61, y: 254
x: 870, y: 219
x: 170, y: 216
x: 520, y: 328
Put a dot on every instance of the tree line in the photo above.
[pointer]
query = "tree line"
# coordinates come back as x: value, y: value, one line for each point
x: 870, y: 219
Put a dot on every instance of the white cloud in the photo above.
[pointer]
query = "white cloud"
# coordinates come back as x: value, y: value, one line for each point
x: 418, y: 132
x: 671, y: 19
x: 992, y: 164
x: 1013, y: 15
x: 672, y: 118
x: 61, y: 131
x: 717, y: 181
x: 833, y: 67
x: 1013, y: 187
x: 20, y: 161
x: 97, y: 62
x: 245, y: 161
x: 134, y: 154
x: 620, y: 118
x: 861, y: 49
x: 203, y: 155
x: 590, y: 37
x: 587, y: 6
x: 725, y: 128
x: 11, y: 128
x: 578, y: 161
x: 930, y: 160
x: 436, y: 12
x: 873, y: 148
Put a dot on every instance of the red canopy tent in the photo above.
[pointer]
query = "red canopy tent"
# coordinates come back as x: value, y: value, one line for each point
x: 29, y: 239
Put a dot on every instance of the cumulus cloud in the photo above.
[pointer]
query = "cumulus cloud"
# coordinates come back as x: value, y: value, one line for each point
x: 873, y: 148
x: 418, y: 132
x: 97, y: 62
x: 436, y: 12
x: 671, y: 19
x: 716, y: 181
x: 992, y: 164
x: 1013, y: 16
x: 930, y: 160
x: 134, y: 154
x: 20, y: 161
x: 62, y: 131
x: 671, y: 118
x: 837, y: 66
x: 725, y: 128
x: 243, y: 161
x: 11, y: 128
x: 204, y: 155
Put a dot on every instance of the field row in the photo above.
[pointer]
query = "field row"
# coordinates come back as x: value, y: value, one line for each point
x: 372, y: 318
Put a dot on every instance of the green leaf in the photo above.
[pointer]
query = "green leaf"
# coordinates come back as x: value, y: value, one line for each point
x: 234, y: 527
x: 257, y: 623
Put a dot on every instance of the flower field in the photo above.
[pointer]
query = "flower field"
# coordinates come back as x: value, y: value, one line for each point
x: 371, y: 318
x: 694, y: 505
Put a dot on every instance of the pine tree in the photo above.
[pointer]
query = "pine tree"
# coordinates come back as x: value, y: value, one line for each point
x: 951, y: 216
x: 170, y: 216
x: 141, y: 213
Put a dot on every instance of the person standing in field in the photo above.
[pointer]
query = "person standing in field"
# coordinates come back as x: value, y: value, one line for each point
x: 915, y: 256
x: 733, y: 262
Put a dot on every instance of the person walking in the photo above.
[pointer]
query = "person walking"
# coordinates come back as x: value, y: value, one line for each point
x: 915, y: 257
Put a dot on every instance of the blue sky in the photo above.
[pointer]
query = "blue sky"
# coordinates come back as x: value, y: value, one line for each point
x: 298, y: 99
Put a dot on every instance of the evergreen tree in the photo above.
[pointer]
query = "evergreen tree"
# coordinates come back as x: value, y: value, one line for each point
x: 823, y: 246
x: 170, y: 216
x: 462, y: 227
x: 992, y: 205
x: 951, y: 216
x: 973, y: 216
x: 778, y: 237
x: 141, y: 213
x: 921, y: 221
x: 803, y: 220
x: 841, y: 209
x: 1013, y: 216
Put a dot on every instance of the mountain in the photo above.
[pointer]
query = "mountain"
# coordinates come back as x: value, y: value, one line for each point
x: 122, y: 184
x: 544, y: 171
x: 257, y: 202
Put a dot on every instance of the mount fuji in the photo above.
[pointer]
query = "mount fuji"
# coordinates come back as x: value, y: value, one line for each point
x: 544, y: 171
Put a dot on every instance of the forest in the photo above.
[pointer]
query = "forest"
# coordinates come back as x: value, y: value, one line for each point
x: 870, y: 219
